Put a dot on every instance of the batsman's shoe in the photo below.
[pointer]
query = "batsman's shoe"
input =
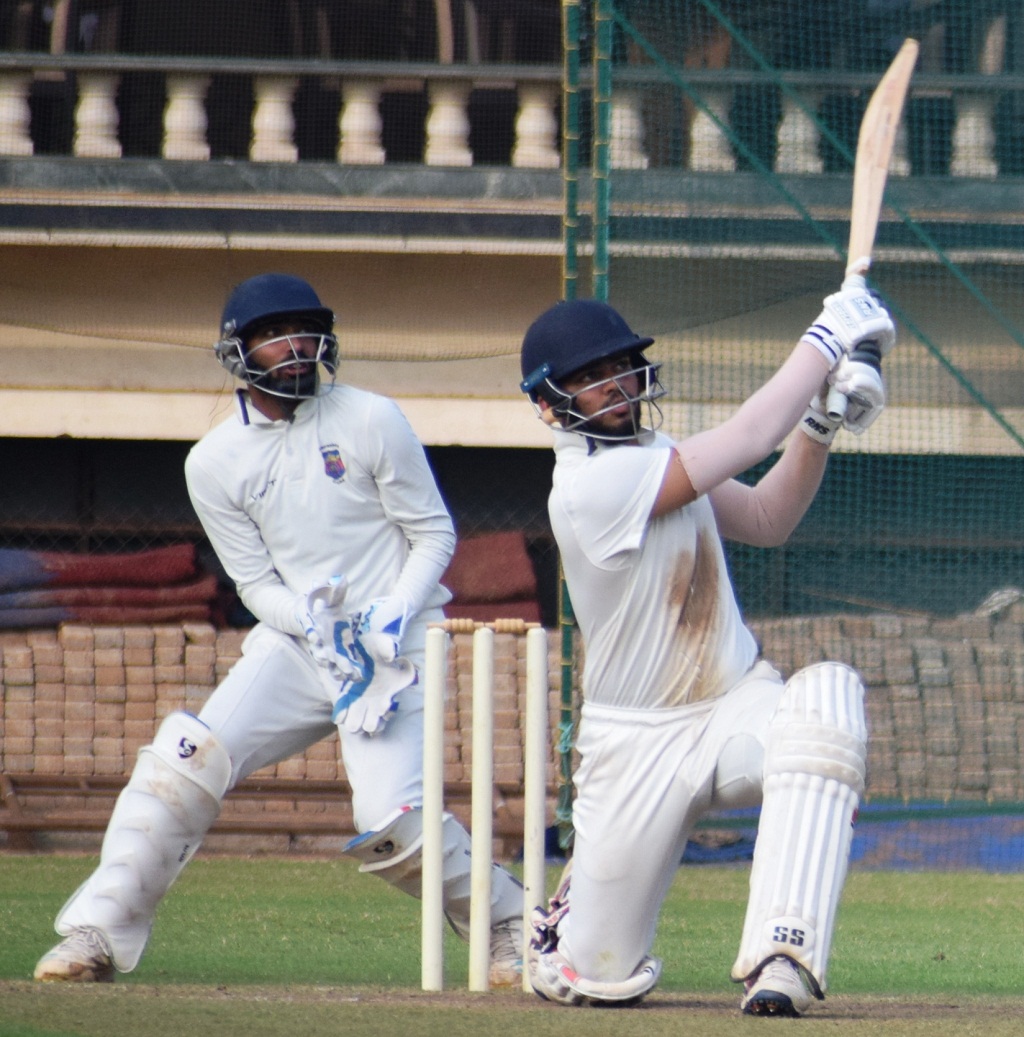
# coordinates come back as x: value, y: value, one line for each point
x: 506, y: 953
x: 778, y: 989
x: 82, y: 957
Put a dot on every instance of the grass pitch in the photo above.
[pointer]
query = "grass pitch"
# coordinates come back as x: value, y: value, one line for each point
x: 273, y: 946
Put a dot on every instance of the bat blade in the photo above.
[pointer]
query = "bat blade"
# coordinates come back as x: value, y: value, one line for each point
x: 874, y: 150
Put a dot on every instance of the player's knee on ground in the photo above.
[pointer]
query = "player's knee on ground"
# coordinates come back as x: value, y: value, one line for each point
x: 554, y: 979
x: 551, y: 974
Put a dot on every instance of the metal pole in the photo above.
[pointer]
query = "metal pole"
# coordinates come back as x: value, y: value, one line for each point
x: 570, y: 144
x: 602, y: 142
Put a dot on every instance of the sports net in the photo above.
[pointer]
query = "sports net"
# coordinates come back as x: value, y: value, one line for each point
x: 726, y: 222
x: 721, y: 139
x: 702, y: 180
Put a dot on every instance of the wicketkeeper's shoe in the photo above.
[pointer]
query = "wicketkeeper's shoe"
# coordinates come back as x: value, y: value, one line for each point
x: 82, y: 957
x: 778, y: 989
x: 506, y: 953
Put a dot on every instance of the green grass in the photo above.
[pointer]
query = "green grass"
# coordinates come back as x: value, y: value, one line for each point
x: 273, y: 945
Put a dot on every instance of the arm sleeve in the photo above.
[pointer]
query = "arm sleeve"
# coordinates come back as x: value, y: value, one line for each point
x: 241, y: 550
x: 411, y: 500
x: 765, y: 515
x: 760, y: 424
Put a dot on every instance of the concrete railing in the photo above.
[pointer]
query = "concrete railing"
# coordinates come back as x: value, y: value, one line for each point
x: 94, y: 83
x: 91, y: 86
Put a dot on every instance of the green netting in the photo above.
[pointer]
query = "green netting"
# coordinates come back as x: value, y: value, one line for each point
x: 705, y: 151
x: 721, y: 139
x: 721, y: 189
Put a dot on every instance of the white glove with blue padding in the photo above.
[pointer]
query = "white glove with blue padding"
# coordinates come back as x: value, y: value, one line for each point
x: 851, y: 316
x: 367, y: 703
x: 328, y: 628
x: 379, y: 628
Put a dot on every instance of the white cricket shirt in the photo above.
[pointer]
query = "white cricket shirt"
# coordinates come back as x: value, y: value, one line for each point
x: 343, y: 488
x: 653, y: 598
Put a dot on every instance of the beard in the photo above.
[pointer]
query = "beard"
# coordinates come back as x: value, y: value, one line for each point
x: 298, y: 386
x: 612, y: 426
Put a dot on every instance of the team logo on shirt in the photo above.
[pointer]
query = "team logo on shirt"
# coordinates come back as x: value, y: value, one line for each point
x: 333, y: 464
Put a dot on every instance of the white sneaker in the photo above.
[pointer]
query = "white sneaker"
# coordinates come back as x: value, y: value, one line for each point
x: 506, y: 953
x: 778, y: 989
x: 82, y: 957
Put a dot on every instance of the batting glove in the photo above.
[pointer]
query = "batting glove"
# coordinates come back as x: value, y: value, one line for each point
x: 816, y: 423
x: 864, y: 389
x: 851, y: 316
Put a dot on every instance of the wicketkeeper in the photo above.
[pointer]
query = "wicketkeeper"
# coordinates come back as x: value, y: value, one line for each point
x: 320, y: 504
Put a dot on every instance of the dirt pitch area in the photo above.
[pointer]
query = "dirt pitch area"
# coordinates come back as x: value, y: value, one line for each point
x: 129, y: 1009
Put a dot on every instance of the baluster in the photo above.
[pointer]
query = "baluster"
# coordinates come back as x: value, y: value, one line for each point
x: 273, y: 122
x: 185, y: 121
x: 536, y: 144
x: 797, y: 137
x: 627, y: 129
x: 360, y: 124
x: 448, y: 125
x: 15, y: 114
x: 974, y: 137
x: 96, y: 116
x: 709, y: 149
x: 899, y: 164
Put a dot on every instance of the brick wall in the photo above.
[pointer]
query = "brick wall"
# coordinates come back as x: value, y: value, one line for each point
x: 945, y: 699
x: 82, y: 701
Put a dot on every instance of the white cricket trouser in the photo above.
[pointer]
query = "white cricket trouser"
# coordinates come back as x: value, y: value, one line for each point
x: 645, y: 778
x: 274, y: 704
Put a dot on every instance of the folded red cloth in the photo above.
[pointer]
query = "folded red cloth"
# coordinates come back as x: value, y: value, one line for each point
x: 25, y: 569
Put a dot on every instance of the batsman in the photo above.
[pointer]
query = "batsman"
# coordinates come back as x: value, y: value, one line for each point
x: 680, y: 715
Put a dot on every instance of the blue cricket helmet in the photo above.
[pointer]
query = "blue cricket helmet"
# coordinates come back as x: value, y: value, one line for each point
x: 269, y: 296
x: 272, y: 297
x: 570, y: 335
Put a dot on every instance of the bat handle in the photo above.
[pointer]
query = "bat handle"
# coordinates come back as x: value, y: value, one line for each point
x: 865, y: 353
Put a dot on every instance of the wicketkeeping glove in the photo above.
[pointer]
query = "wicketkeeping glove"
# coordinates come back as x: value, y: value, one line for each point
x: 327, y: 628
x: 368, y: 703
x: 380, y: 627
x: 851, y: 316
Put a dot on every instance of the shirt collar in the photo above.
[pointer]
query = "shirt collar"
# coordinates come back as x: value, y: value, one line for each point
x: 572, y: 444
x: 247, y: 414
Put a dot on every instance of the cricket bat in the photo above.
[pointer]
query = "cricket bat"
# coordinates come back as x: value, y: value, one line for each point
x: 870, y: 169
